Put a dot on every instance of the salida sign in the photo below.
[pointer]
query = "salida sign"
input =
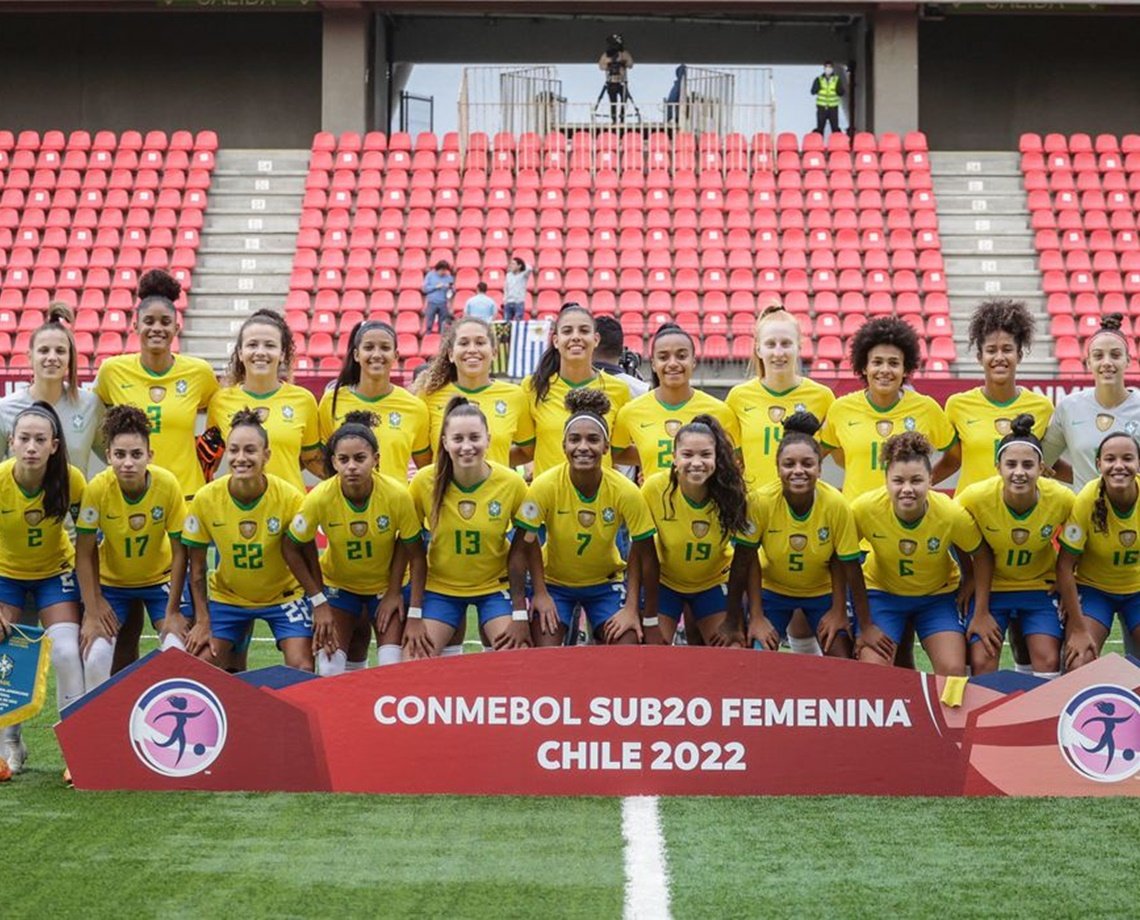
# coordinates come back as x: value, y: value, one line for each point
x: 606, y: 721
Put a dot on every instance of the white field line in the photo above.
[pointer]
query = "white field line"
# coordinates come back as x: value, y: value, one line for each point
x: 646, y: 875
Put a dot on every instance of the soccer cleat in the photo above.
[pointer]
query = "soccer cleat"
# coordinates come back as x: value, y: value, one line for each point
x: 67, y: 778
x: 13, y: 749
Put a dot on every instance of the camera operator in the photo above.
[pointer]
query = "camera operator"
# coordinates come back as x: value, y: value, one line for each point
x: 616, y: 62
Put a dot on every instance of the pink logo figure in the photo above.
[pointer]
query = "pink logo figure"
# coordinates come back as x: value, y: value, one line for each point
x: 178, y: 727
x: 1099, y: 733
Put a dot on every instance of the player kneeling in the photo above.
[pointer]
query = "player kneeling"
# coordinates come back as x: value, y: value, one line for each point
x: 468, y: 504
x: 1098, y: 572
x: 372, y: 531
x: 245, y: 514
x: 128, y: 547
x: 582, y: 505
x: 809, y: 548
x: 1020, y: 515
x: 910, y: 572
x: 701, y: 509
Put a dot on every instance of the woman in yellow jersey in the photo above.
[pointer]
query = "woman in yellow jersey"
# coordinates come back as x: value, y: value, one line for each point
x: 910, y: 571
x: 171, y: 389
x: 373, y: 533
x: 582, y: 506
x: 468, y: 505
x: 777, y: 391
x: 462, y: 367
x: 245, y: 515
x: 1020, y: 514
x: 700, y: 509
x: 38, y: 489
x: 365, y: 385
x: 1098, y: 572
x: 1001, y: 332
x: 884, y: 352
x: 128, y: 545
x: 568, y: 364
x: 646, y: 426
x: 260, y: 361
x: 809, y: 549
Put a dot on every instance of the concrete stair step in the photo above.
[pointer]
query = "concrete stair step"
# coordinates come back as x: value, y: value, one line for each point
x: 981, y: 204
x: 997, y: 245
x: 244, y: 263
x: 971, y: 184
x: 210, y: 282
x: 973, y: 224
x: 1002, y: 266
x: 250, y: 222
x: 244, y: 242
x: 263, y: 183
x: 261, y: 161
x: 977, y: 162
x: 225, y: 305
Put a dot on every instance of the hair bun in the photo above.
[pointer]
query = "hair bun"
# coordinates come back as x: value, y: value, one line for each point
x: 586, y: 399
x: 1022, y: 425
x: 361, y: 417
x: 159, y: 283
x: 1112, y: 322
x: 803, y: 422
x: 60, y: 312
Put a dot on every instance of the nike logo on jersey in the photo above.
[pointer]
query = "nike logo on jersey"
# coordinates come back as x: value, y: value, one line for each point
x: 218, y: 524
x: 561, y: 511
x: 749, y: 408
x: 112, y: 517
x: 125, y: 386
x: 5, y: 510
x: 856, y: 422
x: 775, y: 531
x: 992, y: 529
x: 334, y: 523
x: 648, y: 424
x: 879, y: 536
x: 972, y: 421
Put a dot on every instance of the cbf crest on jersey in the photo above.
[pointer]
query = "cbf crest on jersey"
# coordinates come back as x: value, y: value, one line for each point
x: 157, y: 394
x: 157, y: 513
x: 933, y: 545
x: 909, y: 423
x: 181, y: 387
x: 494, y: 509
x: 1019, y: 535
x: 394, y: 419
x: 500, y: 407
x: 466, y: 509
x: 273, y: 525
x: 824, y: 534
x: 287, y: 412
x: 358, y: 528
x: 1046, y: 531
x: 700, y: 529
x: 383, y: 523
x: 137, y: 521
x: 609, y: 515
x: 247, y: 529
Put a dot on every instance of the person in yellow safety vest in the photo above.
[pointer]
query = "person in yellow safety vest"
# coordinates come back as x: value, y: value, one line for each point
x: 827, y: 89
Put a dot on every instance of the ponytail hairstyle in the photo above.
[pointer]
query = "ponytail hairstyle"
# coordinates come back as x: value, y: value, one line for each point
x: 773, y: 313
x: 457, y: 407
x: 590, y: 404
x: 236, y: 369
x: 57, y: 474
x: 356, y: 424
x: 1008, y: 316
x: 158, y: 287
x: 350, y: 369
x: 1100, y: 505
x: 800, y: 428
x: 441, y: 370
x: 59, y: 319
x: 1110, y: 324
x: 248, y: 418
x: 908, y: 446
x: 667, y: 329
x: 726, y: 485
x: 1021, y: 432
x: 125, y: 419
x: 551, y: 361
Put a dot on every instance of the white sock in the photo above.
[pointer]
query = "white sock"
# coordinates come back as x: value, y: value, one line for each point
x: 1047, y: 675
x: 66, y: 661
x: 331, y: 665
x: 450, y: 651
x: 97, y: 664
x: 488, y: 648
x: 357, y: 665
x: 1023, y: 668
x: 169, y: 640
x: 808, y: 646
x: 388, y: 654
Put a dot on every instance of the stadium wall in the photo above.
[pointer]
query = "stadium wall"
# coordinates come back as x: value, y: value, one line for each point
x: 984, y: 80
x: 255, y: 79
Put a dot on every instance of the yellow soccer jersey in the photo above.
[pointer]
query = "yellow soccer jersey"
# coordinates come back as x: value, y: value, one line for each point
x: 759, y: 411
x: 401, y: 429
x: 859, y: 429
x: 289, y: 416
x: 1109, y: 561
x: 693, y: 550
x: 1024, y: 545
x: 251, y: 571
x: 795, y: 551
x: 171, y: 401
x: 33, y: 545
x: 549, y: 416
x: 914, y: 560
x: 361, y: 540
x: 134, y: 551
x: 581, y: 533
x: 504, y: 404
x: 650, y: 425
x: 981, y: 424
x: 467, y: 555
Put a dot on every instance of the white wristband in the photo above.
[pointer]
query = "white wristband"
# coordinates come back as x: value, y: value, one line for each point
x: 649, y: 621
x: 317, y: 599
x: 415, y: 613
x: 520, y: 616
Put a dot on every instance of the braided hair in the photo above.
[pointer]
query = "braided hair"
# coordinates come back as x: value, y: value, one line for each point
x: 1100, y: 504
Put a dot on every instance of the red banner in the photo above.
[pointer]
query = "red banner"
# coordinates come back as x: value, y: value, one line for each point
x: 608, y: 721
